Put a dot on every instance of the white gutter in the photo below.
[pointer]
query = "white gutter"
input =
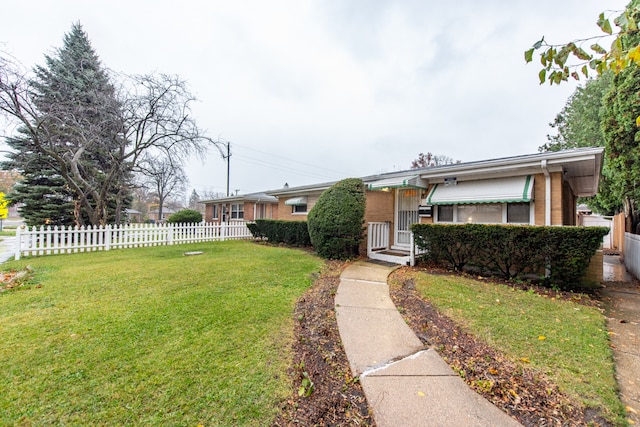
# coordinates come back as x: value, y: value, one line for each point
x: 547, y: 192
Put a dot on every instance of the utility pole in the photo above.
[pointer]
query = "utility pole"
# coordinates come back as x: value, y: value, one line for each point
x: 228, y: 164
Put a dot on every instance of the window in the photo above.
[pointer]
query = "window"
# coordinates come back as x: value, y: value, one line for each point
x: 237, y: 211
x: 299, y: 209
x: 214, y: 212
x: 445, y: 213
x: 485, y: 213
x: 518, y: 213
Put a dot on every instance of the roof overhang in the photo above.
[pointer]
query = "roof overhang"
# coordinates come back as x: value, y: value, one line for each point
x: 581, y: 168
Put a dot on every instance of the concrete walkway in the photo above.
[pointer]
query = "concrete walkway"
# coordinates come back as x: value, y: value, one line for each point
x: 405, y: 383
x: 621, y: 293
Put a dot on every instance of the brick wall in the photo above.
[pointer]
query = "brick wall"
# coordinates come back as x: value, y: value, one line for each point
x: 557, y: 202
x: 285, y: 212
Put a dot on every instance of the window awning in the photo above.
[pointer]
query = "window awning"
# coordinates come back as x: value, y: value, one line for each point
x: 398, y: 182
x: 296, y: 201
x: 502, y: 190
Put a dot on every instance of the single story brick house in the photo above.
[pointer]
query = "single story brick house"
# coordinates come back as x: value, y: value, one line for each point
x: 534, y: 189
x: 247, y: 207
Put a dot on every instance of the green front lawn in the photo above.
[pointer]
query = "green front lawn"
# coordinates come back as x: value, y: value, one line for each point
x: 565, y: 340
x: 151, y: 337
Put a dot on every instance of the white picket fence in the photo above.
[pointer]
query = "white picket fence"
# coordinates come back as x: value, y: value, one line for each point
x: 60, y: 240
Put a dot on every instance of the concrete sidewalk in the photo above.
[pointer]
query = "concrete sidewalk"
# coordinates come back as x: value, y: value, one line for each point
x: 405, y: 383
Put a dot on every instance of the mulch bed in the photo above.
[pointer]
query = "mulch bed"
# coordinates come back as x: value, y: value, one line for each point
x: 518, y: 390
x: 338, y: 400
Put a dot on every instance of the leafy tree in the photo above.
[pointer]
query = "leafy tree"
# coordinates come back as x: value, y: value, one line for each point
x: 429, y: 160
x: 335, y: 221
x: 185, y: 216
x: 622, y: 135
x: 4, y: 211
x: 575, y: 58
x: 579, y: 124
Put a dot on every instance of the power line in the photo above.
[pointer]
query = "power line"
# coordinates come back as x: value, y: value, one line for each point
x: 341, y: 173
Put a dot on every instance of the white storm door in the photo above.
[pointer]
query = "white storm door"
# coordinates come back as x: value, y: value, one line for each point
x: 407, y: 201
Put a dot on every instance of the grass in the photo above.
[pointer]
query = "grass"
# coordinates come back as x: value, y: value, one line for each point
x: 566, y: 341
x: 151, y: 337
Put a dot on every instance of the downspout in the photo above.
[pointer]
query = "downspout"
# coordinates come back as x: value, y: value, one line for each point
x: 547, y: 193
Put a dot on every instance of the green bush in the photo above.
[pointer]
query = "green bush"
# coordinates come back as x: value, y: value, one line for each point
x: 512, y: 251
x: 336, y: 221
x: 255, y: 230
x: 185, y: 216
x: 292, y: 233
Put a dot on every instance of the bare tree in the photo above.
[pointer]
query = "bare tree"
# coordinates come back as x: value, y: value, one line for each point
x: 430, y: 160
x: 152, y: 117
x: 164, y: 178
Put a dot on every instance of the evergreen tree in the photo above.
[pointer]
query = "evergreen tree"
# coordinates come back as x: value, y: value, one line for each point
x: 77, y: 135
x: 43, y: 193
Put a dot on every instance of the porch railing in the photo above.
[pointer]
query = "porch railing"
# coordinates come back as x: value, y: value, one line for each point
x: 377, y: 236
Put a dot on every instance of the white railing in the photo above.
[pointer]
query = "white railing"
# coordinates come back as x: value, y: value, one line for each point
x: 632, y: 253
x: 415, y: 251
x: 64, y: 240
x: 377, y: 236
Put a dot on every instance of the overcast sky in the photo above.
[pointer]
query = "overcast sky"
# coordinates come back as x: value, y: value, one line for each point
x: 316, y: 91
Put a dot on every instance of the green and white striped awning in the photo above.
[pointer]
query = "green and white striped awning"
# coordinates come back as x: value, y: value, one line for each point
x: 296, y: 201
x: 413, y: 181
x: 501, y: 190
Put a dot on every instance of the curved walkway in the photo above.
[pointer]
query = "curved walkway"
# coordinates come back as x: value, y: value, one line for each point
x: 406, y: 384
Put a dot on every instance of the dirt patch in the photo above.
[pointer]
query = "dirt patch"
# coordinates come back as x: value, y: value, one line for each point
x: 336, y: 398
x: 513, y: 387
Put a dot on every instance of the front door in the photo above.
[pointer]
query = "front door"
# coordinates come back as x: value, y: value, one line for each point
x: 407, y: 201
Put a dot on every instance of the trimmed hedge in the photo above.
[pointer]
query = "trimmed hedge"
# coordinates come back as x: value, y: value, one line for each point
x: 336, y: 220
x: 292, y: 233
x: 512, y: 251
x: 185, y: 216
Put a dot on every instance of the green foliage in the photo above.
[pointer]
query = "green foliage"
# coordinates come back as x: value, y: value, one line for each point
x: 294, y: 233
x: 512, y: 251
x: 185, y: 216
x: 336, y: 220
x: 622, y: 136
x: 575, y: 354
x: 255, y: 230
x: 70, y: 140
x: 579, y: 122
x: 561, y: 61
x: 4, y: 211
x: 148, y: 337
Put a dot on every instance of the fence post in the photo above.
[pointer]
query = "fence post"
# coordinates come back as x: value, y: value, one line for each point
x: 107, y: 237
x: 18, y: 242
x: 169, y: 234
x: 223, y: 231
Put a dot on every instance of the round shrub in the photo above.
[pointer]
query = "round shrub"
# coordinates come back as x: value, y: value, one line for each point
x: 336, y: 221
x: 185, y: 216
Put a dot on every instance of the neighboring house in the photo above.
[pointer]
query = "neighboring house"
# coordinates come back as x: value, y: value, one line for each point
x: 166, y: 213
x: 247, y: 207
x: 535, y: 189
x: 133, y: 216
